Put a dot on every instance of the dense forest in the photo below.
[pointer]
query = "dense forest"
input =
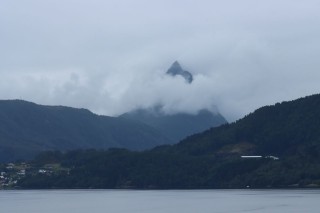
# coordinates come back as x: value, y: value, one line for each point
x: 285, y: 135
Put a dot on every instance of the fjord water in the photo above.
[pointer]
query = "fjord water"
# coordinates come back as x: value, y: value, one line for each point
x: 168, y: 201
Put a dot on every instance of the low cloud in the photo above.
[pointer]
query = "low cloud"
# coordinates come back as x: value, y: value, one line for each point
x: 111, y: 57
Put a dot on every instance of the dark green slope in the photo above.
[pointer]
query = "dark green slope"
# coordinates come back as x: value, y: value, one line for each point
x: 27, y: 128
x: 176, y: 126
x: 279, y: 130
x: 212, y: 159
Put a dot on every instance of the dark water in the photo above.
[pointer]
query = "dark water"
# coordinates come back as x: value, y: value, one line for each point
x: 171, y: 201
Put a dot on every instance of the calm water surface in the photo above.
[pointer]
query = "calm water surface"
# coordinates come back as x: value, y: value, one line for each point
x: 171, y: 201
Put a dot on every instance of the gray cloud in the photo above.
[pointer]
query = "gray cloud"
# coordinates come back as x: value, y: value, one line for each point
x: 111, y: 56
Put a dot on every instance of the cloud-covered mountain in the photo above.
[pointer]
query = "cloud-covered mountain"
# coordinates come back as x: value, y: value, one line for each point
x: 27, y: 128
x: 179, y: 125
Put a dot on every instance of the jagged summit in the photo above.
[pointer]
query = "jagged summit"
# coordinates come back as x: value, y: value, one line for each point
x: 176, y: 69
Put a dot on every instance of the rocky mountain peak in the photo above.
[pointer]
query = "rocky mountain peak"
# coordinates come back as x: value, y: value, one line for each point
x: 176, y: 69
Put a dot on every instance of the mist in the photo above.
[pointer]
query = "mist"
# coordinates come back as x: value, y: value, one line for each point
x: 111, y: 56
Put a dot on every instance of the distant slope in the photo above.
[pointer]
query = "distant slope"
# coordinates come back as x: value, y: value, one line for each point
x: 176, y: 126
x: 27, y: 128
x: 289, y: 131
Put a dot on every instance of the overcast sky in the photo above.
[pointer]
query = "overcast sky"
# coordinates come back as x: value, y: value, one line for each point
x: 110, y: 56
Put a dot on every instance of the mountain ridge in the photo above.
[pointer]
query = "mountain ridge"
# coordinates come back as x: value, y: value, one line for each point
x: 27, y: 128
x: 176, y: 126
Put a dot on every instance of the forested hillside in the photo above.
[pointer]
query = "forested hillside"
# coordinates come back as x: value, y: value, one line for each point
x: 27, y: 129
x: 285, y: 138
